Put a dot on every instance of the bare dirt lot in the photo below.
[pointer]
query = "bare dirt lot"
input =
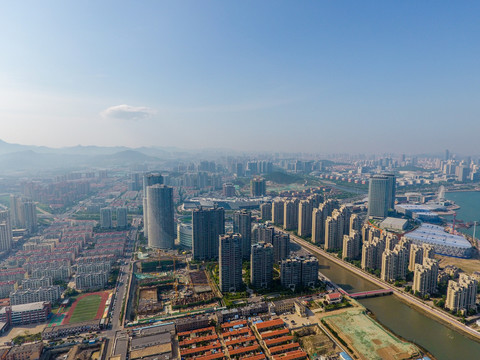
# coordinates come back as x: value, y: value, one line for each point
x: 148, y: 294
x: 369, y: 340
x: 467, y: 265
x: 22, y: 330
x: 315, y: 341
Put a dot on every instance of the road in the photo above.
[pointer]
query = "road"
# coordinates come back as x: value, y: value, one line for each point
x: 117, y: 299
x: 407, y: 297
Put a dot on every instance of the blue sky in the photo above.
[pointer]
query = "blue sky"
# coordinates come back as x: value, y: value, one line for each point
x: 316, y: 76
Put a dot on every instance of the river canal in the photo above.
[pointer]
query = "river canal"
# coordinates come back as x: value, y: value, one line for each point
x: 438, y: 339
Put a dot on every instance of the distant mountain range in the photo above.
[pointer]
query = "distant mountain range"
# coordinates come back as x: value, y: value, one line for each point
x: 28, y: 158
x: 23, y: 159
x: 7, y: 148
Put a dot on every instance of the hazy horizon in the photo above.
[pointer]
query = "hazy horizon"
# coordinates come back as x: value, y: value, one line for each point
x: 316, y: 77
x: 249, y: 152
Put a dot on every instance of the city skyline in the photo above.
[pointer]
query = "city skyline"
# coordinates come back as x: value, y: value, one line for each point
x: 170, y: 74
x: 69, y: 234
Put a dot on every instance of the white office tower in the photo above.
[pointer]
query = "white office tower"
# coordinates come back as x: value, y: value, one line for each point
x: 161, y: 232
x: 6, y: 237
x: 148, y: 180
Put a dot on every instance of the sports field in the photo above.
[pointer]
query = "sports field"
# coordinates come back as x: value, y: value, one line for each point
x: 87, y: 307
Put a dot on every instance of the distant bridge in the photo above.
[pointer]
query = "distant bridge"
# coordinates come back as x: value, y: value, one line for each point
x: 372, y: 293
x: 361, y: 294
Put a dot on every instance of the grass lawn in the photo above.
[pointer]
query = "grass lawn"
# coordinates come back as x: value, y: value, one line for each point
x: 86, y: 309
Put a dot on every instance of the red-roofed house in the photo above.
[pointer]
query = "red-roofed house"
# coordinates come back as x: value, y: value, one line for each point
x: 334, y: 298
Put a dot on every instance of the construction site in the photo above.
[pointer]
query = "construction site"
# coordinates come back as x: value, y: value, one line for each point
x: 166, y: 286
x: 365, y: 338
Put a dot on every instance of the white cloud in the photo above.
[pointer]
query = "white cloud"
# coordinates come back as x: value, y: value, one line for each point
x: 127, y: 112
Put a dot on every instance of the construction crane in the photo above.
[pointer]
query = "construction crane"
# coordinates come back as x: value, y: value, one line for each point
x: 175, y: 286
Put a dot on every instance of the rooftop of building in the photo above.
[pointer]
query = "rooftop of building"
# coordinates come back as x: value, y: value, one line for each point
x: 334, y: 296
x: 32, y: 347
x: 71, y: 326
x: 292, y: 355
x: 257, y: 357
x: 278, y: 340
x: 436, y: 235
x: 207, y: 329
x: 273, y: 333
x: 241, y: 340
x: 218, y: 355
x: 198, y: 339
x: 282, y: 348
x: 26, y: 307
x: 150, y: 340
x: 270, y: 323
x: 421, y: 207
x: 345, y: 356
x: 11, y: 282
x: 155, y: 329
x: 234, y: 324
x: 424, y: 214
x: 12, y: 271
x: 201, y: 349
x: 393, y: 222
x: 151, y: 350
x: 243, y: 350
x: 236, y: 332
x: 286, y: 302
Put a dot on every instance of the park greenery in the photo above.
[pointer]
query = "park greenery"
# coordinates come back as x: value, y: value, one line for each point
x: 112, y: 278
x: 343, y: 304
x: 26, y: 338
x: 283, y: 178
